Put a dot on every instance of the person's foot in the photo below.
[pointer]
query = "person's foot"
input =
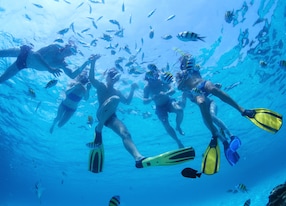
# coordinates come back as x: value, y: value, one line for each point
x: 249, y: 113
x: 138, y: 163
x: 180, y: 130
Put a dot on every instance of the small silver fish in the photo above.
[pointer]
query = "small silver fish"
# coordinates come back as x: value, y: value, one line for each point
x: 130, y: 19
x: 113, y: 21
x: 151, y: 13
x: 189, y: 36
x: 85, y: 30
x: 94, y: 24
x: 80, y: 5
x: 228, y: 17
x: 31, y: 92
x: 59, y: 40
x: 38, y: 5
x: 170, y: 17
x: 63, y: 31
x: 151, y: 33
x: 51, y: 83
x: 99, y: 18
x: 123, y: 7
x: 167, y: 37
x: 106, y: 37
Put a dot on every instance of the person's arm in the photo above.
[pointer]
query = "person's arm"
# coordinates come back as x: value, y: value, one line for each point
x: 75, y: 73
x: 128, y: 99
x: 170, y: 91
x: 92, y: 80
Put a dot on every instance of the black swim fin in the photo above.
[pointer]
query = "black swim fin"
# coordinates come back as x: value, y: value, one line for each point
x: 168, y: 158
x: 211, y: 160
x: 265, y: 119
x: 96, y: 159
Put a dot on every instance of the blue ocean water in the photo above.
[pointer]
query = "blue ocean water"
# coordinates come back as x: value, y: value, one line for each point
x: 232, y: 54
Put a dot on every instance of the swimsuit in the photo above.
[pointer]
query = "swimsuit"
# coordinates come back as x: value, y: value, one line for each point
x: 162, y: 110
x: 21, y: 61
x: 68, y: 109
x: 74, y: 97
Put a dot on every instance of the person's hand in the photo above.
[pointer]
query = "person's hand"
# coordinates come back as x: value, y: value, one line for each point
x: 134, y: 86
x: 56, y: 72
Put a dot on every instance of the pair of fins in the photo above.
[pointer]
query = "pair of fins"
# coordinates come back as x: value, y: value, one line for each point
x: 263, y: 118
x: 96, y: 158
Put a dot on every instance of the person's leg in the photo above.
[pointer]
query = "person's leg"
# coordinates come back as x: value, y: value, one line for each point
x: 119, y: 128
x: 179, y: 116
x: 210, y: 87
x: 10, y: 72
x: 205, y: 112
x: 60, y: 113
x: 171, y: 132
x: 68, y: 113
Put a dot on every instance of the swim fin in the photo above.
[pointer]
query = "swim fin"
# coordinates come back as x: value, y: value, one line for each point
x: 96, y: 159
x: 265, y: 119
x: 211, y: 160
x: 168, y: 158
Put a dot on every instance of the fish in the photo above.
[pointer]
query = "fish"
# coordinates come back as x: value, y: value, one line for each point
x: 191, y: 173
x: 130, y: 19
x: 189, y: 36
x: 247, y: 202
x: 113, y: 21
x: 72, y: 27
x: 38, y: 105
x: 151, y: 33
x: 242, y: 188
x: 63, y: 31
x: 167, y: 37
x: 59, y: 40
x: 31, y: 92
x: 282, y: 64
x: 39, y: 189
x: 228, y: 16
x: 28, y: 17
x: 90, y: 121
x: 151, y: 13
x: 112, y: 52
x: 123, y: 7
x: 114, y: 201
x: 167, y: 78
x: 142, y: 41
x: 94, y: 24
x: 126, y: 48
x: 80, y: 5
x: 118, y: 66
x: 99, y: 18
x: 85, y: 30
x: 171, y: 17
x: 106, y: 37
x: 263, y: 63
x: 90, y: 9
x: 38, y: 5
x: 51, y: 83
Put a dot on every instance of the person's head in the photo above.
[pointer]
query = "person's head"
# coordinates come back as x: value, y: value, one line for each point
x: 112, y: 75
x: 187, y: 62
x: 83, y: 77
x: 151, y: 75
x: 69, y: 49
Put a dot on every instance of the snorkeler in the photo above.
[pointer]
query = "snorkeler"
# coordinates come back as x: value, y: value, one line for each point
x: 77, y: 91
x: 159, y: 90
x: 50, y: 58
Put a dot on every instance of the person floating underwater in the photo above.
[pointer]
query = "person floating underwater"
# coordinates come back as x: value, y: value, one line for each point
x: 77, y: 91
x: 159, y: 90
x: 189, y: 79
x: 229, y: 147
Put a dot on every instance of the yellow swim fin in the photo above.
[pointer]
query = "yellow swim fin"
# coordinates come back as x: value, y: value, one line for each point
x: 96, y: 159
x: 168, y: 158
x: 211, y: 160
x: 265, y: 119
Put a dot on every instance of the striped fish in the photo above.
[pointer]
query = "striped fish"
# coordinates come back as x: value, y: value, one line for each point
x: 167, y: 78
x: 114, y: 201
x: 282, y: 64
x: 51, y: 83
x: 189, y: 36
x: 247, y: 202
x: 241, y: 187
